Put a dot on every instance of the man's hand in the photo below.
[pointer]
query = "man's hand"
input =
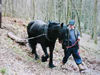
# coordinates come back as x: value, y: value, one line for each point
x: 78, y: 38
x: 62, y: 64
x: 68, y: 47
x: 60, y: 41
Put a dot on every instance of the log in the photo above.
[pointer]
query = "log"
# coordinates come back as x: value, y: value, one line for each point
x: 17, y: 39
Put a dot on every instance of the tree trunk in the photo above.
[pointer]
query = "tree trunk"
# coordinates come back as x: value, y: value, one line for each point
x: 68, y: 11
x: 0, y: 13
x: 95, y: 23
x: 79, y: 20
x: 33, y: 2
x: 78, y: 14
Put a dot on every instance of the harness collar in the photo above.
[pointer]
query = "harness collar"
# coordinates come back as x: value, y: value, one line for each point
x: 46, y: 32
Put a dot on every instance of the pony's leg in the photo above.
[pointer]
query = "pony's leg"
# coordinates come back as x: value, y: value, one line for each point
x: 44, y: 58
x: 51, y: 65
x: 33, y: 44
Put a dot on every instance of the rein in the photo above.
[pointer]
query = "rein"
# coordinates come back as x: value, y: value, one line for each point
x: 72, y: 45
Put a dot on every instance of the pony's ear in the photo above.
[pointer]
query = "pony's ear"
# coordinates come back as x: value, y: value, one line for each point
x: 49, y: 21
x: 61, y: 24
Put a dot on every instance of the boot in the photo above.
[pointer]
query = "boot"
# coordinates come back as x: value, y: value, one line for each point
x: 81, y: 68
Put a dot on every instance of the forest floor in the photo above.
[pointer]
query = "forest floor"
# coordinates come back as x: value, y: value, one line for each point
x: 17, y: 59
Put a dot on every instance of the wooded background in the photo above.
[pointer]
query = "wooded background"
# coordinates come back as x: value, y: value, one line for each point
x: 85, y: 12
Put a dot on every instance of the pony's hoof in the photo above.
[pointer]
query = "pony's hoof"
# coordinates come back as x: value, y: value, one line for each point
x: 37, y: 57
x: 44, y: 59
x: 51, y: 66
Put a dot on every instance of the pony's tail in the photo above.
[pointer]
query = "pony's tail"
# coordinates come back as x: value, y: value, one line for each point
x: 29, y: 26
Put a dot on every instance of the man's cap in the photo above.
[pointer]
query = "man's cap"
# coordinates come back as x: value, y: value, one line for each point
x: 71, y: 22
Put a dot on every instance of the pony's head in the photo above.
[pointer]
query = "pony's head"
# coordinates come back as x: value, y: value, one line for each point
x: 63, y: 33
x: 57, y: 30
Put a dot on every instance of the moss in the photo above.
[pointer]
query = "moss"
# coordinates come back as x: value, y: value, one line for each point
x: 9, y: 41
x: 3, y: 71
x: 95, y: 41
x: 18, y: 50
x: 38, y: 61
x: 22, y: 53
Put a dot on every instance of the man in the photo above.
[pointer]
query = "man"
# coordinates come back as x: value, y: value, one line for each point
x: 73, y: 46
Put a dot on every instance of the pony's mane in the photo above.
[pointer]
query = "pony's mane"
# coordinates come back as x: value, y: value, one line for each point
x: 53, y: 23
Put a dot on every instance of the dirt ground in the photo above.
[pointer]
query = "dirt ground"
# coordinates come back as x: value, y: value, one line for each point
x: 17, y: 59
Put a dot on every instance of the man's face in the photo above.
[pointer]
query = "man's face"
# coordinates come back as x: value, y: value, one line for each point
x: 72, y: 26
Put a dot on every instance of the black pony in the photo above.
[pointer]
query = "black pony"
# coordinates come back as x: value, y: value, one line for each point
x: 52, y: 30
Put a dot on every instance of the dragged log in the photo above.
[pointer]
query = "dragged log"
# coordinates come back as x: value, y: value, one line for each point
x: 17, y: 39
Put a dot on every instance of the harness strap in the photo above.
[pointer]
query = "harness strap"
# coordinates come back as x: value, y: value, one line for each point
x: 36, y: 36
x: 46, y: 32
x: 26, y: 40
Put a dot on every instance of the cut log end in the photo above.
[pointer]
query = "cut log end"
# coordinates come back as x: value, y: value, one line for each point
x: 17, y: 39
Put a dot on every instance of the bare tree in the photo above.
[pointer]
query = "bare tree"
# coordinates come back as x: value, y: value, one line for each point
x: 94, y: 33
x: 78, y: 14
x: 68, y: 11
x: 0, y: 13
x: 60, y: 10
x: 33, y: 2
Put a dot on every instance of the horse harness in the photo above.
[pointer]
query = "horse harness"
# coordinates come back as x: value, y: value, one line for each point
x: 44, y: 34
